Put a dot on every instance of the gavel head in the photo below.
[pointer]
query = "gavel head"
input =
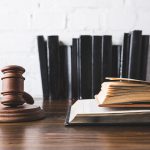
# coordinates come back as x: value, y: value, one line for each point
x: 13, y: 86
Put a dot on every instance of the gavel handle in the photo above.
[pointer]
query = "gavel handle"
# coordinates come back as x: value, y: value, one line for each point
x: 28, y: 98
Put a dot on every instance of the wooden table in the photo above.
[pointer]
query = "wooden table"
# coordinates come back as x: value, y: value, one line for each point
x: 50, y: 133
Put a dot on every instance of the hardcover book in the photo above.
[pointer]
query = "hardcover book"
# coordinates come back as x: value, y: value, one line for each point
x: 125, y: 55
x: 43, y: 59
x: 85, y: 43
x: 65, y: 69
x: 106, y: 57
x: 145, y: 57
x: 75, y: 69
x: 135, y: 55
x: 96, y: 64
x: 54, y: 66
x: 116, y: 60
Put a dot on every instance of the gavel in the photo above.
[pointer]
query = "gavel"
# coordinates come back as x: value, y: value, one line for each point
x: 13, y: 87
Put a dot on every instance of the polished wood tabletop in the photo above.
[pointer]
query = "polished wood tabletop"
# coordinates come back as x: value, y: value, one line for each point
x: 50, y: 133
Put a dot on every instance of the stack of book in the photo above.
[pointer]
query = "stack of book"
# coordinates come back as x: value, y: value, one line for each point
x: 124, y: 93
x: 120, y: 100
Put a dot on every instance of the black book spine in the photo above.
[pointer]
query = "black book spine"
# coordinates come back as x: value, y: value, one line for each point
x: 148, y: 66
x: 106, y: 64
x: 125, y: 55
x: 135, y: 54
x: 86, y: 66
x: 144, y: 56
x: 65, y: 69
x: 75, y: 69
x: 96, y: 64
x: 42, y: 50
x: 116, y: 60
x: 79, y: 70
x: 54, y: 66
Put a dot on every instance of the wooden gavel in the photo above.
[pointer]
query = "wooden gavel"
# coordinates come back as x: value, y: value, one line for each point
x: 13, y: 87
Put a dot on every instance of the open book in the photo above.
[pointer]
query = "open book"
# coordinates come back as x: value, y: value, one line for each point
x: 122, y: 92
x: 87, y: 112
x: 119, y: 101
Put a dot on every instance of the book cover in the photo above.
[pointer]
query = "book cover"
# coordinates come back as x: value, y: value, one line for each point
x: 85, y: 43
x: 116, y: 60
x: 54, y: 66
x: 148, y: 66
x: 65, y: 69
x: 96, y: 64
x: 144, y: 56
x: 135, y: 54
x: 75, y: 68
x: 42, y: 50
x: 106, y: 64
x: 125, y: 55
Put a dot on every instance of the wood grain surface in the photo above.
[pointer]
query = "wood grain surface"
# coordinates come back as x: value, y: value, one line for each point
x: 51, y: 134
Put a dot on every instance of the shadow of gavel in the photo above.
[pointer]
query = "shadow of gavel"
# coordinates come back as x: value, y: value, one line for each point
x: 13, y: 87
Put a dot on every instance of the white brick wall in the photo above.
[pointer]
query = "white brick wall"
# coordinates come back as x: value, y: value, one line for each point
x: 22, y: 20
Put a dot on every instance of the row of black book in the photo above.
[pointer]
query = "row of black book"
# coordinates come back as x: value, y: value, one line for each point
x: 77, y: 71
